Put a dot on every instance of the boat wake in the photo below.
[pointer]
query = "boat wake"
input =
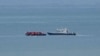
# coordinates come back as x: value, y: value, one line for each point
x: 2, y: 36
x: 80, y: 35
x: 22, y: 36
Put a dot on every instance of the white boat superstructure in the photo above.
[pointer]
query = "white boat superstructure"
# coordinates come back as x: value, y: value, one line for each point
x: 63, y: 30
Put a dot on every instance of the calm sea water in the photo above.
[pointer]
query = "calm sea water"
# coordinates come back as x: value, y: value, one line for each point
x: 15, y: 21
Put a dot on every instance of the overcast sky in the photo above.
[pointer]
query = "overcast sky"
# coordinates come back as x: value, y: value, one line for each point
x: 51, y: 2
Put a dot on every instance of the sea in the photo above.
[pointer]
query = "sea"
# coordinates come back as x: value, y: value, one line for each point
x: 15, y: 21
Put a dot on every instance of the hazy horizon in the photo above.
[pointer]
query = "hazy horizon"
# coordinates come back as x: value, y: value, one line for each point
x: 51, y: 3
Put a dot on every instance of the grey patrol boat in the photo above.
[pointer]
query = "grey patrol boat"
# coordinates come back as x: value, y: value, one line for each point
x: 64, y: 31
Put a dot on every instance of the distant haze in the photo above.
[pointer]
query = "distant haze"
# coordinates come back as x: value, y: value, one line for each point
x: 65, y: 3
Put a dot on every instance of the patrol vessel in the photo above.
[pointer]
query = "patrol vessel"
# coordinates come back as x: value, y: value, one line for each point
x: 64, y: 31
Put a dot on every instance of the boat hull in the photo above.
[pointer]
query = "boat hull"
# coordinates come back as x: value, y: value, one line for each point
x: 35, y: 34
x: 61, y: 33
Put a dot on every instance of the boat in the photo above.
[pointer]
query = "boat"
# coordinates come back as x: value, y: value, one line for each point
x: 61, y: 32
x: 35, y: 34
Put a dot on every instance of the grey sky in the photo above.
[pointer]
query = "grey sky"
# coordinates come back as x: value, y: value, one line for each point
x: 51, y: 2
